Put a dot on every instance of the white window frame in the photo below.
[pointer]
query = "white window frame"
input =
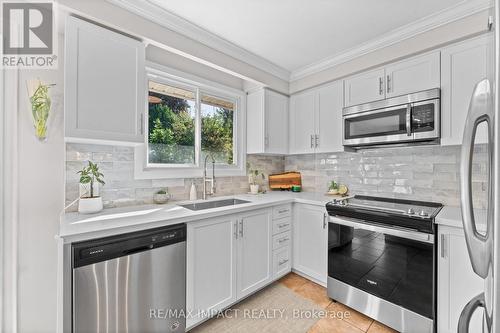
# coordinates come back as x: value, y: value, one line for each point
x: 163, y: 74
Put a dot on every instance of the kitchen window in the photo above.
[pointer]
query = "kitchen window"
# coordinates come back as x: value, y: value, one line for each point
x: 188, y: 120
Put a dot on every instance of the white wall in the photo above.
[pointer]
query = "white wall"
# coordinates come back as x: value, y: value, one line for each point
x: 169, y: 59
x: 461, y: 29
x: 36, y: 172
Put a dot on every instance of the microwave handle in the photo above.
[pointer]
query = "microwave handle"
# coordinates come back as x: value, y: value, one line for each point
x: 408, y: 119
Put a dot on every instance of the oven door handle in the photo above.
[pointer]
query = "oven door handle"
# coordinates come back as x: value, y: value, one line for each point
x: 398, y: 232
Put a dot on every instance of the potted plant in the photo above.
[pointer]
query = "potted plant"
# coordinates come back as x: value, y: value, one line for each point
x: 161, y: 196
x: 90, y: 178
x: 253, y: 176
x: 333, y: 188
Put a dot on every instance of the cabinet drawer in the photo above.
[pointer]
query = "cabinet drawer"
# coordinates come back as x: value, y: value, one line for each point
x: 282, y: 239
x: 281, y: 262
x: 281, y: 225
x: 282, y: 211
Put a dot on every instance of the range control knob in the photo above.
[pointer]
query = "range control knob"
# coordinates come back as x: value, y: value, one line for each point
x: 411, y: 211
x: 423, y: 213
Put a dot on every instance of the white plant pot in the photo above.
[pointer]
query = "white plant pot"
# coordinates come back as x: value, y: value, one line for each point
x: 90, y: 205
x: 254, y: 189
x: 161, y: 198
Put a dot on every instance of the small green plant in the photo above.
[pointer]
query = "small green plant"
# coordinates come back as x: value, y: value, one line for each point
x: 333, y: 186
x: 90, y: 175
x: 40, y: 108
x: 162, y: 191
x: 254, y: 174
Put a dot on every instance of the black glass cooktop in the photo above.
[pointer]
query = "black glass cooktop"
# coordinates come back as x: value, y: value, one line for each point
x: 413, y: 214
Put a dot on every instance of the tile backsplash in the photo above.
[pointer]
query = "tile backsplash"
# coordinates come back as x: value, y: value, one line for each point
x: 121, y: 189
x: 420, y: 172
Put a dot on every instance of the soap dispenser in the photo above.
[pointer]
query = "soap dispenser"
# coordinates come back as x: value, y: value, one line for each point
x: 192, y: 192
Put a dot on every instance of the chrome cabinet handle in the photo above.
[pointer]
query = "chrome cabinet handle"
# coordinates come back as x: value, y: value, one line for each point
x: 266, y: 141
x: 241, y: 228
x: 388, y: 83
x: 443, y: 240
x: 283, y: 240
x: 282, y: 211
x: 236, y: 229
x: 480, y: 110
x: 316, y: 141
x: 312, y: 140
x: 468, y: 311
x: 325, y: 216
x: 380, y: 86
x: 282, y: 225
x: 408, y: 119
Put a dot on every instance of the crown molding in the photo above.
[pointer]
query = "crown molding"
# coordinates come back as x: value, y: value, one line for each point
x: 171, y: 21
x: 448, y: 15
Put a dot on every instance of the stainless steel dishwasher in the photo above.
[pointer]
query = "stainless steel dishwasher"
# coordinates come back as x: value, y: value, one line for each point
x: 131, y: 283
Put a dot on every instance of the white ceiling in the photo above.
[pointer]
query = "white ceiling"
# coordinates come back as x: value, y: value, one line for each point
x: 295, y: 33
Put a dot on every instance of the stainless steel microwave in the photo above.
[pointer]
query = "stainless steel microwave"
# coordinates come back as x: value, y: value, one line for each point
x: 413, y: 118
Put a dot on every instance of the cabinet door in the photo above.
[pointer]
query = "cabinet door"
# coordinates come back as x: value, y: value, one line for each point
x: 457, y: 282
x: 302, y: 130
x: 329, y: 118
x: 254, y: 252
x: 310, y: 235
x: 211, y: 265
x: 365, y: 87
x: 413, y: 75
x: 276, y: 110
x: 256, y: 127
x: 463, y: 65
x: 104, y: 84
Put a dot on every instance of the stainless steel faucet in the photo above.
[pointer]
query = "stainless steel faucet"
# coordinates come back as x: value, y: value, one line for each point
x: 208, y: 180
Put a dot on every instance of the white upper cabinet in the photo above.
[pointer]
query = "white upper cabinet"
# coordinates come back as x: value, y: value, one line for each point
x: 412, y: 75
x: 463, y: 65
x: 407, y: 76
x: 302, y: 124
x: 316, y: 120
x: 365, y: 87
x: 329, y: 118
x: 267, y: 122
x: 105, y: 95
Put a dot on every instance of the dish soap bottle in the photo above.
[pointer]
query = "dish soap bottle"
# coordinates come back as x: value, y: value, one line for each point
x: 192, y: 192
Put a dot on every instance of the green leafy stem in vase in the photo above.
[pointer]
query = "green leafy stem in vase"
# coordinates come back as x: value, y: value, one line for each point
x: 40, y: 108
x: 90, y: 175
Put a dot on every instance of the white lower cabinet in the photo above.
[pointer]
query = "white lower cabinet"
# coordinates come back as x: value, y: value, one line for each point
x: 211, y: 265
x: 310, y: 238
x: 228, y: 258
x: 254, y: 252
x: 457, y: 282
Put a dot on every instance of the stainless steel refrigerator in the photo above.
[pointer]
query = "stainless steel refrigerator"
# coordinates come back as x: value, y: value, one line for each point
x: 484, y: 248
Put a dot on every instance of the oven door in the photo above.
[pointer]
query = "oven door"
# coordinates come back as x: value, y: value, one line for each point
x: 425, y: 120
x: 396, y: 265
x: 378, y: 126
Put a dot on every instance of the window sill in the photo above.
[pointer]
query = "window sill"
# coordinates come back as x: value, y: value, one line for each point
x: 141, y: 172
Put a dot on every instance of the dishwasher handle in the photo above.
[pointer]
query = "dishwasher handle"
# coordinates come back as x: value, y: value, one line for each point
x: 102, y: 249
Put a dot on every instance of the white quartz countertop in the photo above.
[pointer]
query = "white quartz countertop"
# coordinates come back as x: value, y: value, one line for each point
x: 76, y: 227
x: 452, y: 217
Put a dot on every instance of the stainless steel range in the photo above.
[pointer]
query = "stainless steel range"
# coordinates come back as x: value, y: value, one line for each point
x: 382, y: 259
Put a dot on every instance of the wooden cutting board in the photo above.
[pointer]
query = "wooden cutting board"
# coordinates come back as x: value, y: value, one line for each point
x: 284, y: 181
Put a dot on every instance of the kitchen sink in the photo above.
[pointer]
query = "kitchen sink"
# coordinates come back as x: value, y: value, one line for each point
x: 214, y: 204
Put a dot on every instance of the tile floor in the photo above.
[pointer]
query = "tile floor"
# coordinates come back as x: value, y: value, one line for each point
x: 353, y: 322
